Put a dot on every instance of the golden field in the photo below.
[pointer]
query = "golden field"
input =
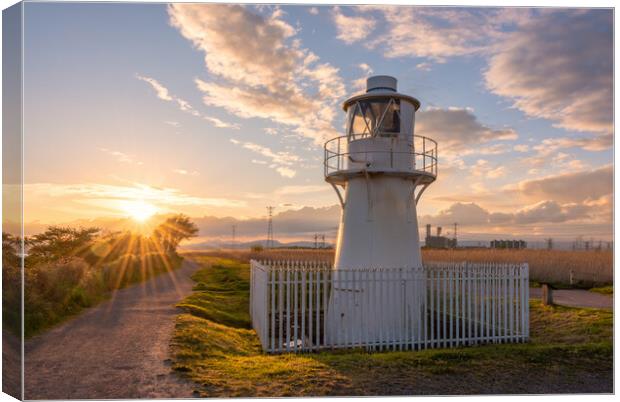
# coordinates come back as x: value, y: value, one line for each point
x: 589, y: 268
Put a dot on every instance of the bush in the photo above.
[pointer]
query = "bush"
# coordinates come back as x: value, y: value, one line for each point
x: 256, y: 248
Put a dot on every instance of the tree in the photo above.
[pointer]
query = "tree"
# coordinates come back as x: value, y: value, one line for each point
x: 59, y: 243
x: 10, y: 246
x: 173, y: 231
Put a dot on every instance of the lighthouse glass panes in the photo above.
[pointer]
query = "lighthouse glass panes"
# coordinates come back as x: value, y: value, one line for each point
x: 376, y: 117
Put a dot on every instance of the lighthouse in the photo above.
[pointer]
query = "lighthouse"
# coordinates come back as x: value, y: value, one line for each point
x: 379, y: 170
x: 377, y: 295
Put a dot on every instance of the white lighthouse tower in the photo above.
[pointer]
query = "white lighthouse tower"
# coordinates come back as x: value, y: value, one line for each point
x: 379, y: 170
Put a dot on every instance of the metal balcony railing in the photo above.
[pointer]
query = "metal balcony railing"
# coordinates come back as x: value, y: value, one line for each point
x: 421, y: 157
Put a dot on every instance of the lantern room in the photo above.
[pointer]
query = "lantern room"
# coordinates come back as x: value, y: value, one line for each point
x: 381, y: 111
x: 379, y: 137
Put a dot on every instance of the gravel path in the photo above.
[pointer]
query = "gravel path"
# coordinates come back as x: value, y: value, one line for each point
x: 576, y: 298
x: 119, y: 349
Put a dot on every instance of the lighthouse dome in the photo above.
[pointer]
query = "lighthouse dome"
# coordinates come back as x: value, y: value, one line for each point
x: 381, y: 83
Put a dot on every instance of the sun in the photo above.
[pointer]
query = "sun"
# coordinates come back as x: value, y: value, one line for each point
x: 139, y: 210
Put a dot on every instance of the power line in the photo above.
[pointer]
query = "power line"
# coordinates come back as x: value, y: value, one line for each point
x: 270, y: 242
x: 234, y: 233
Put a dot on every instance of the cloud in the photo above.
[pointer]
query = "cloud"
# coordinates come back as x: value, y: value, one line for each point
x: 122, y: 157
x: 161, y: 91
x: 424, y: 66
x: 482, y: 168
x: 570, y: 187
x: 596, y: 143
x: 548, y: 211
x: 303, y: 189
x: 106, y: 195
x: 366, y: 69
x: 463, y: 213
x: 437, y: 33
x: 352, y: 29
x: 281, y: 162
x: 261, y: 67
x: 270, y: 131
x: 186, y: 172
x: 313, y: 10
x: 555, y: 64
x: 521, y: 148
x: 222, y: 124
x: 302, y: 222
x: 164, y: 94
x: 456, y: 129
x: 285, y: 171
x: 559, y: 66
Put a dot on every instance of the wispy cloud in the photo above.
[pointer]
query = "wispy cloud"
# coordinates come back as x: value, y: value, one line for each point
x: 302, y: 189
x: 186, y: 172
x: 164, y: 94
x: 107, y: 194
x: 219, y: 123
x: 281, y: 162
x: 424, y: 66
x: 161, y: 91
x: 121, y: 156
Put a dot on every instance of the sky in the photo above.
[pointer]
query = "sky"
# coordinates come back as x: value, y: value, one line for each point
x: 217, y: 111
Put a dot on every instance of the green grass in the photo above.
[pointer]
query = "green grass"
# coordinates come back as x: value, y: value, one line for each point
x: 570, y: 351
x: 605, y: 290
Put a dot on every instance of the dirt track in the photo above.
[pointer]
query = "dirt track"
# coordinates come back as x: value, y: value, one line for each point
x: 118, y: 349
x: 576, y: 298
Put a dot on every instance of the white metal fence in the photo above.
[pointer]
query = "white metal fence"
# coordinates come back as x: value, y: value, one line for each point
x: 306, y: 306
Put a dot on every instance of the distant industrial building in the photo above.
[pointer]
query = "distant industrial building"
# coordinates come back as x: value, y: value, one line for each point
x: 515, y: 244
x: 438, y: 241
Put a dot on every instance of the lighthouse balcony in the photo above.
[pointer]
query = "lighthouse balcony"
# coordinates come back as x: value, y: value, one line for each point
x: 346, y: 157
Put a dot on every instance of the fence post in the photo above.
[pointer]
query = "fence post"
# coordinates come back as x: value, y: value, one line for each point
x: 547, y: 294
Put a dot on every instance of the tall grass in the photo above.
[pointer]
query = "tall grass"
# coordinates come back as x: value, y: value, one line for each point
x: 55, y: 291
x: 589, y: 268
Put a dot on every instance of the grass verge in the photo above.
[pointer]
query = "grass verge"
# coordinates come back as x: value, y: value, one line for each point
x: 605, y: 290
x: 570, y: 351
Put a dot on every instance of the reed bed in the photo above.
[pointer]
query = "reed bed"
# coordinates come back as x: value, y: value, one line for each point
x: 589, y: 268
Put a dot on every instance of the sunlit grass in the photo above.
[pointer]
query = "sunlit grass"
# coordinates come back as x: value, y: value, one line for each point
x: 214, y: 347
x: 589, y: 268
x: 604, y: 290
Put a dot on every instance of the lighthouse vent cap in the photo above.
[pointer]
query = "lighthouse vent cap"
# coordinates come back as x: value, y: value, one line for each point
x: 381, y: 83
